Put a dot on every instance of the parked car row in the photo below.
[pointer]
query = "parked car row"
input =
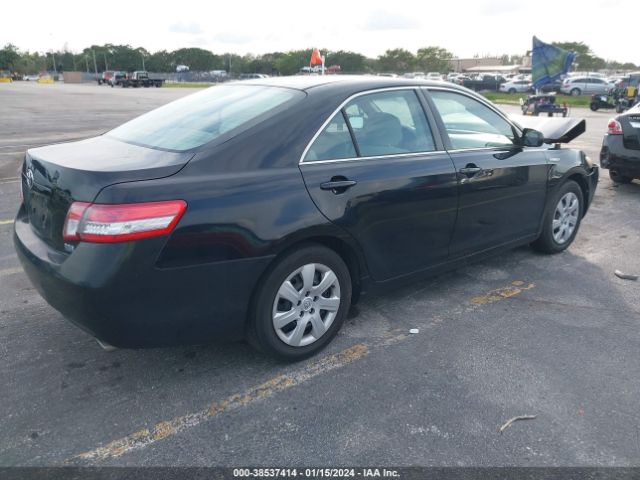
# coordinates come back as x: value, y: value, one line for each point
x: 139, y: 78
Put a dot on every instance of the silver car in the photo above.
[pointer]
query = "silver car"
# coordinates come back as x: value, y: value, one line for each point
x: 585, y: 85
x: 515, y: 86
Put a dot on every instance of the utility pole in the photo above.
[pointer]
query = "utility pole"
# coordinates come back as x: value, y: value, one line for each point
x: 55, y: 69
x: 106, y: 65
x: 86, y: 61
x: 95, y: 64
x: 142, y: 55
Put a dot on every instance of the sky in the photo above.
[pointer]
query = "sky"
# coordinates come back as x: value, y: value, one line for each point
x: 466, y: 28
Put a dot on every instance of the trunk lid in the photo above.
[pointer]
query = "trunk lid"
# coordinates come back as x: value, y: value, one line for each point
x: 55, y: 176
x: 630, y: 130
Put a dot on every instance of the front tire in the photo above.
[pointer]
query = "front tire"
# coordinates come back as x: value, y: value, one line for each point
x: 300, y: 304
x: 575, y: 92
x: 561, y: 219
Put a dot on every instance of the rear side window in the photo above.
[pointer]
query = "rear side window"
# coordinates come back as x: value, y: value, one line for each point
x: 333, y: 143
x: 205, y: 116
x: 389, y: 123
x: 385, y: 123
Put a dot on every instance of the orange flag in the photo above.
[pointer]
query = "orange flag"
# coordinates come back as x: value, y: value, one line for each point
x: 316, y: 59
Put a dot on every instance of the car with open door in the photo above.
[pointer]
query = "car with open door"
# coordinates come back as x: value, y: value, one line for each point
x: 263, y: 209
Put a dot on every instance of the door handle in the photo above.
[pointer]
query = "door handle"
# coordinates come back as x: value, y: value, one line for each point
x: 338, y: 186
x: 470, y: 170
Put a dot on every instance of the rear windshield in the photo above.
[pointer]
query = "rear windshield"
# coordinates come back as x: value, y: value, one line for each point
x: 200, y: 118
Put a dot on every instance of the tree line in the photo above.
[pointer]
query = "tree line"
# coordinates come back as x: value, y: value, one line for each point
x: 98, y: 58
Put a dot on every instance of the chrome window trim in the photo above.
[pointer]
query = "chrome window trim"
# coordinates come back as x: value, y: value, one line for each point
x: 412, y: 88
x: 377, y: 157
x: 479, y: 149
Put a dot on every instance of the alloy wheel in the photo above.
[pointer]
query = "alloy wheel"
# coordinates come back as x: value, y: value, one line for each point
x: 306, y: 305
x: 565, y: 217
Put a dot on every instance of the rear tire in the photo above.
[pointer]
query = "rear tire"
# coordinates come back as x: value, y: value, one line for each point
x: 561, y: 220
x: 512, y: 91
x: 300, y: 304
x: 617, y: 177
x: 593, y: 106
x: 575, y: 92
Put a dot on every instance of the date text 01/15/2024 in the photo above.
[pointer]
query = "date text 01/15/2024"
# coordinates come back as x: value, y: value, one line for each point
x: 315, y: 473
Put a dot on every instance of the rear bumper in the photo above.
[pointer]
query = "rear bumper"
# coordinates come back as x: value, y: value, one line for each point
x: 117, y: 294
x: 614, y: 156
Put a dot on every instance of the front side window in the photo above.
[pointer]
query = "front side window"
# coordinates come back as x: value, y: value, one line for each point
x: 471, y: 124
x: 205, y: 116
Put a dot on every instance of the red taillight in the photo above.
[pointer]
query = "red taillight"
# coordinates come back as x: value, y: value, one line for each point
x: 101, y: 223
x: 614, y: 127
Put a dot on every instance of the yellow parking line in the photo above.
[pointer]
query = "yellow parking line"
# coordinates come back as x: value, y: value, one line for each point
x: 6, y: 222
x: 161, y: 430
x: 516, y: 288
x: 10, y: 271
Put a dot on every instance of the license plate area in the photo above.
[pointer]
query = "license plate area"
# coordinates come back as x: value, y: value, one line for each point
x: 40, y: 213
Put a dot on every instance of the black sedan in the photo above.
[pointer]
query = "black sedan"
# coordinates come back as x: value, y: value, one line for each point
x: 620, y: 151
x: 263, y: 209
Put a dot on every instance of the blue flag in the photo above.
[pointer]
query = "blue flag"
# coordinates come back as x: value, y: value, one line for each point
x: 549, y: 62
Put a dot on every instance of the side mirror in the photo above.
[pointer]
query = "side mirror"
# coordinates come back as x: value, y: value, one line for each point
x: 532, y: 138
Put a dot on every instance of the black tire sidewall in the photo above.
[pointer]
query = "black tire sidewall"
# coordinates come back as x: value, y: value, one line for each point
x: 261, y: 332
x: 546, y: 242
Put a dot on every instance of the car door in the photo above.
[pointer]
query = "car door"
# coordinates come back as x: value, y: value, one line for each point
x: 599, y: 86
x: 377, y: 170
x: 502, y: 185
x: 580, y: 84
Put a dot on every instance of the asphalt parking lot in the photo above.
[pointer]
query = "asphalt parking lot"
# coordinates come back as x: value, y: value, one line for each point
x: 521, y: 334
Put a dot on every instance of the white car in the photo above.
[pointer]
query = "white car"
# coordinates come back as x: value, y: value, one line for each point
x: 434, y: 76
x: 31, y: 78
x: 586, y: 85
x: 516, y: 86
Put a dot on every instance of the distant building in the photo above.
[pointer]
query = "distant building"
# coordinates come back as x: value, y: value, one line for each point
x: 463, y: 64
x: 489, y: 64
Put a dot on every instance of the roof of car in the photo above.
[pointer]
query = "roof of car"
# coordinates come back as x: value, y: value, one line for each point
x: 306, y: 82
